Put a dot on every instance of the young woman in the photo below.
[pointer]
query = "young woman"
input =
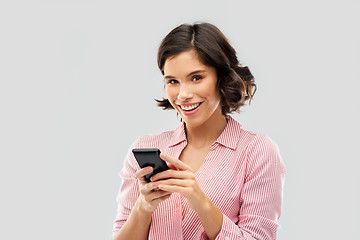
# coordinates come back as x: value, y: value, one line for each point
x: 224, y: 182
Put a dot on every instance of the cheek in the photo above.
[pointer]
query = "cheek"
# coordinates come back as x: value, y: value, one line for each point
x: 212, y: 93
x: 171, y: 94
x: 216, y: 100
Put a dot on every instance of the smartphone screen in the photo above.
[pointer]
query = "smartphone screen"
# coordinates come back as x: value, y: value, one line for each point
x: 150, y: 157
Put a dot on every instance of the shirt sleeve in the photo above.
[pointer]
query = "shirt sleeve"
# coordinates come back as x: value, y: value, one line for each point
x: 129, y: 189
x: 261, y: 196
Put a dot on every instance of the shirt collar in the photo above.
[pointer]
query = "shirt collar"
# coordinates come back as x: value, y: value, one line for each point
x: 178, y: 135
x: 231, y: 134
x: 228, y: 138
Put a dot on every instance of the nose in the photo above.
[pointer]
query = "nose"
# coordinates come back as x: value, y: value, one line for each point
x: 185, y: 92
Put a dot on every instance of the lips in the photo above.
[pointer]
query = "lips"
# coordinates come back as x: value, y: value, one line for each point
x: 189, y: 107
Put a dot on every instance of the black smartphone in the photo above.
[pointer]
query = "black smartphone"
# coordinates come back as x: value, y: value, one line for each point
x: 150, y: 157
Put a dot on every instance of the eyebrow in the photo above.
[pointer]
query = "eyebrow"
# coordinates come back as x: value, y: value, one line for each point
x: 192, y: 73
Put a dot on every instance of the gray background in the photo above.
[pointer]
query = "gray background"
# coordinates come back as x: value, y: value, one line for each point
x: 78, y: 79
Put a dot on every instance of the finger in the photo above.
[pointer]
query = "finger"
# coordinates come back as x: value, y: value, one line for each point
x: 142, y: 172
x: 175, y: 182
x: 154, y: 195
x: 173, y: 188
x: 146, y: 188
x: 151, y: 186
x: 172, y: 174
x: 172, y: 166
x: 175, y: 162
x: 160, y: 199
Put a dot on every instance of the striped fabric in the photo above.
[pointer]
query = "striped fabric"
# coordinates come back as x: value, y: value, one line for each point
x: 243, y: 175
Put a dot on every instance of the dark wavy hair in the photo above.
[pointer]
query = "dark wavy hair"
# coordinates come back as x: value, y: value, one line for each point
x: 235, y: 82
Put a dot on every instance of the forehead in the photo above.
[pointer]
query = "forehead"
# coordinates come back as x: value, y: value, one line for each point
x: 183, y: 63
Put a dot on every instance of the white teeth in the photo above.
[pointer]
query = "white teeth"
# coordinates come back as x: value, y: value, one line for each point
x: 189, y: 108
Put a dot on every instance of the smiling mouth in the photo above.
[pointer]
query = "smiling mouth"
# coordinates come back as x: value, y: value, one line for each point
x: 190, y: 107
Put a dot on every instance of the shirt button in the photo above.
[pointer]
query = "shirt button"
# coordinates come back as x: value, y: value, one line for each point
x: 227, y: 238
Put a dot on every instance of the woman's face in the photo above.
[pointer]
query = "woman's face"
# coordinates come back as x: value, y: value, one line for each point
x: 191, y: 88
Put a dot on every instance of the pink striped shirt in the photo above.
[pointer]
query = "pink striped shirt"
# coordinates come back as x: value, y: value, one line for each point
x: 243, y: 175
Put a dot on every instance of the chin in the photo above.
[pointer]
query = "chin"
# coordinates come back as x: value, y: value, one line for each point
x: 196, y: 122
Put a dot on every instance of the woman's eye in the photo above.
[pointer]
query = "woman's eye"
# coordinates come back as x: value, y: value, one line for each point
x: 172, y: 81
x: 196, y: 78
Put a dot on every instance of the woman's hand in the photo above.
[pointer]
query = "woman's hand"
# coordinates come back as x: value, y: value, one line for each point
x: 179, y: 178
x: 150, y: 194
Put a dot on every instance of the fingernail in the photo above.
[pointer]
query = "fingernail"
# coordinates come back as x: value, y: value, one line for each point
x: 152, y: 179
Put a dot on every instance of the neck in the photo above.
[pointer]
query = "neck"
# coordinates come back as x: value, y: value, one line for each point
x: 206, y: 134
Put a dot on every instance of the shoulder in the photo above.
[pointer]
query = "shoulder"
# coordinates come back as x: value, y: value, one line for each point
x: 153, y: 140
x: 260, y: 151
x: 241, y: 139
x: 258, y: 143
x: 234, y: 135
x: 161, y: 140
x: 263, y: 154
x: 249, y: 139
x: 262, y: 142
